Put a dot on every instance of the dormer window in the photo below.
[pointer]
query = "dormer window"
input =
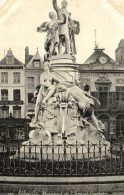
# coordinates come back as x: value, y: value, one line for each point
x: 36, y: 63
x: 9, y: 57
x: 9, y: 60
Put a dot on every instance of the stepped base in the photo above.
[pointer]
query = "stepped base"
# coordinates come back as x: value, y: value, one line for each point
x: 74, y: 185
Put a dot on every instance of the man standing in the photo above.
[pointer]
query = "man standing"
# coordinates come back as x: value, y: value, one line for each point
x: 63, y: 28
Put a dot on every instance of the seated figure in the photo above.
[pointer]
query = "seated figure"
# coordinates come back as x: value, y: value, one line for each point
x: 46, y: 90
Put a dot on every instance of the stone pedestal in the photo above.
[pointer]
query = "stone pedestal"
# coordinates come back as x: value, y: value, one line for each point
x: 65, y: 67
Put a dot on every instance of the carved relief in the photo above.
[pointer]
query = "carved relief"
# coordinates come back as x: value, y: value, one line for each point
x: 120, y: 81
x: 103, y: 78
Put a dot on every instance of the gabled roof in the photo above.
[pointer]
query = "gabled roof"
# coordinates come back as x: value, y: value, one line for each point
x: 30, y: 57
x: 95, y: 56
x: 14, y: 60
x: 36, y: 57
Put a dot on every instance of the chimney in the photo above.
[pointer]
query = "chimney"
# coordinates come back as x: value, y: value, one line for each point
x: 26, y: 55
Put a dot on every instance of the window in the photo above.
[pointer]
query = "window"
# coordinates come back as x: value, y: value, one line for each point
x: 4, y: 77
x: 120, y: 94
x: 4, y: 112
x: 36, y: 64
x: 16, y: 95
x: 4, y: 95
x: 16, y: 77
x: 17, y: 112
x: 103, y: 94
x: 103, y: 88
x: 30, y: 82
x: 30, y: 96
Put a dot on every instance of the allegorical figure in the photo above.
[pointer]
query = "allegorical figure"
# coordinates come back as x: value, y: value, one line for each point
x: 52, y: 29
x: 63, y: 28
x: 47, y: 89
x: 74, y: 28
x: 84, y: 101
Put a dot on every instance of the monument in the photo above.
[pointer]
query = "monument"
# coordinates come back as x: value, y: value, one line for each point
x: 63, y: 111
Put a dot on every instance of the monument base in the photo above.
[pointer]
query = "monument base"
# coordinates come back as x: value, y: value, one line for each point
x: 65, y: 67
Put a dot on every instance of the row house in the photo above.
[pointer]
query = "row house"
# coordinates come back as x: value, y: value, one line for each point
x: 33, y: 70
x: 13, y: 124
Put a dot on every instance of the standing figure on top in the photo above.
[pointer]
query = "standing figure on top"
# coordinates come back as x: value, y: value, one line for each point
x: 63, y: 28
x: 74, y: 28
x: 52, y: 38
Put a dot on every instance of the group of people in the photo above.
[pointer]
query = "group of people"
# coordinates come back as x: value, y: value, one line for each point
x: 47, y: 89
x: 60, y: 31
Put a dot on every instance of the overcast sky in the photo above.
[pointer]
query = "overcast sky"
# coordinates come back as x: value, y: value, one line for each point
x: 20, y: 18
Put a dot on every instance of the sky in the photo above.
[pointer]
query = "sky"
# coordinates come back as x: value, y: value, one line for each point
x: 19, y: 20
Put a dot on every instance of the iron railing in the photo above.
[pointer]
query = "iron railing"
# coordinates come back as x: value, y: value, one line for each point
x: 62, y: 159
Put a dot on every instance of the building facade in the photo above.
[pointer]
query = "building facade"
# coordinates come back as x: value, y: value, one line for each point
x: 33, y: 70
x: 18, y: 83
x: 106, y: 79
x: 12, y: 98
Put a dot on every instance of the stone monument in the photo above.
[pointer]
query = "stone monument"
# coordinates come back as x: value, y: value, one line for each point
x: 63, y: 110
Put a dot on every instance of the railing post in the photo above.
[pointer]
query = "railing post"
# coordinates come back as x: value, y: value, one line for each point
x: 94, y: 155
x: 52, y: 135
x: 105, y: 161
x: 76, y: 158
x: 100, y: 165
x: 65, y: 147
x: 19, y: 158
x: 30, y: 157
x: 111, y: 159
x: 121, y: 157
x: 3, y: 158
x: 88, y: 150
x: 41, y: 158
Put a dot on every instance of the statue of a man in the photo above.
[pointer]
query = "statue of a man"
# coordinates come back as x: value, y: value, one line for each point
x: 63, y: 28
